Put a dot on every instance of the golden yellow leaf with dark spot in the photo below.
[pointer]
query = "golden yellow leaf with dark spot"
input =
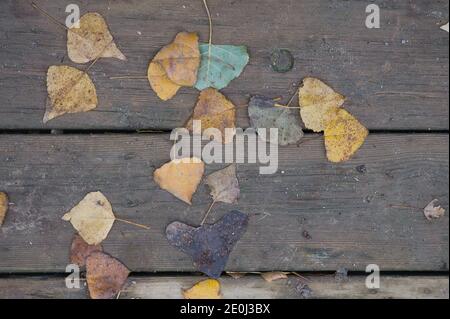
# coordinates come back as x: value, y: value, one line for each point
x: 4, y: 203
x: 180, y: 177
x: 91, y: 40
x: 69, y: 91
x: 93, y: 218
x: 206, y: 289
x: 344, y: 135
x: 214, y: 110
x: 175, y: 65
x: 318, y: 103
x: 105, y: 275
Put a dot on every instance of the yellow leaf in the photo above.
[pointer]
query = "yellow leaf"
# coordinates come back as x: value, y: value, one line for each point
x: 70, y: 91
x: 91, y: 40
x: 206, y: 289
x: 176, y: 65
x: 344, y: 135
x: 180, y: 177
x: 93, y: 218
x: 4, y: 203
x: 318, y: 103
x: 214, y: 110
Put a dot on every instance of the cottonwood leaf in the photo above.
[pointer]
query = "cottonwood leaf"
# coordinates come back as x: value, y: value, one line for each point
x: 209, y: 245
x: 318, y: 103
x: 344, y: 135
x: 93, y: 218
x: 214, y: 111
x: 265, y: 115
x: 105, y: 275
x: 4, y: 204
x: 180, y: 177
x: 91, y: 40
x: 432, y: 211
x: 69, y: 91
x: 273, y: 276
x: 220, y: 64
x: 224, y: 185
x: 206, y: 289
x: 81, y: 250
x: 175, y: 65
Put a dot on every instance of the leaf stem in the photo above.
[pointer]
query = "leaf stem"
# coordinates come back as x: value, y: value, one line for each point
x: 207, y: 213
x: 131, y: 223
x: 34, y: 5
x: 210, y: 36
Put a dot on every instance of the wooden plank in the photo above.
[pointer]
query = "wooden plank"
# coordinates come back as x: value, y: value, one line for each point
x: 356, y: 213
x: 249, y: 287
x: 395, y: 77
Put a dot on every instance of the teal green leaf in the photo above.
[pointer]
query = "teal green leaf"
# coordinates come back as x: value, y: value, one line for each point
x: 220, y: 65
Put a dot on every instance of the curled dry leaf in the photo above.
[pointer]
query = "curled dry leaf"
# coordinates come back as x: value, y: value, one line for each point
x: 224, y: 185
x: 105, y: 275
x: 209, y: 245
x: 91, y: 40
x: 220, y: 64
x: 344, y: 135
x: 69, y: 91
x: 93, y: 218
x: 4, y: 203
x: 432, y: 211
x: 206, y: 289
x: 264, y: 114
x: 214, y: 111
x: 318, y: 104
x: 180, y: 177
x: 176, y: 65
x: 273, y: 276
x: 81, y: 250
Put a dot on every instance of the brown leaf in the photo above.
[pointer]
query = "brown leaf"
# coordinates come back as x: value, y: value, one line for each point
x: 105, y: 275
x: 93, y: 218
x: 91, y: 40
x: 209, y: 245
x: 180, y: 177
x: 81, y: 250
x: 214, y: 110
x: 273, y: 276
x: 176, y: 65
x: 4, y: 203
x: 224, y: 185
x: 70, y: 91
x: 206, y: 289
x: 236, y: 275
x: 432, y: 211
x: 318, y: 104
x: 344, y: 135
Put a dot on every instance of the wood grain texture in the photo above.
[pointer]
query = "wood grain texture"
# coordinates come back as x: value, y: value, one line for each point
x: 310, y: 216
x: 395, y: 78
x: 249, y: 287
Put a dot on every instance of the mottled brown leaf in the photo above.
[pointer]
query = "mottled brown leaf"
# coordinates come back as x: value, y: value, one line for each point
x: 105, y: 275
x: 224, y: 185
x: 81, y: 250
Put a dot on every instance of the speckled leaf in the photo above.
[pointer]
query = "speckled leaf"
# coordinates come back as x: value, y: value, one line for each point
x: 224, y: 185
x: 220, y: 64
x: 209, y: 245
x: 264, y: 114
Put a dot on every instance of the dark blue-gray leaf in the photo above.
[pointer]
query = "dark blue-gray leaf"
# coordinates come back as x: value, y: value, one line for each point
x: 209, y: 245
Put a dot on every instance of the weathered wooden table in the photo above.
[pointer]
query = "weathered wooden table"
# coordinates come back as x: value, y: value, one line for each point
x: 365, y: 211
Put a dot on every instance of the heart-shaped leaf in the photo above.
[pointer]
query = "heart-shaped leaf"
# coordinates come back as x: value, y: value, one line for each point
x: 220, y: 64
x: 264, y: 114
x: 209, y: 245
x: 224, y: 185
